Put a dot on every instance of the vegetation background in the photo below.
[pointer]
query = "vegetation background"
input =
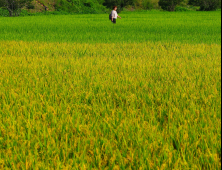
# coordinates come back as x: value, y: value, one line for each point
x: 34, y: 7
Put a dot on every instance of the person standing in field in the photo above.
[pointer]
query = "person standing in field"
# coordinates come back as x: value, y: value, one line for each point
x: 114, y: 15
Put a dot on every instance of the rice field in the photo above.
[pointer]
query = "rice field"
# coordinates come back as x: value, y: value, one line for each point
x: 186, y: 27
x: 77, y: 92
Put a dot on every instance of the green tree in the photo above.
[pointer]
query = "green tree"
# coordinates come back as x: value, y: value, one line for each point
x: 206, y: 5
x: 144, y: 4
x: 209, y: 5
x: 14, y: 6
x: 119, y: 3
x: 80, y: 6
x: 169, y: 5
x: 194, y: 2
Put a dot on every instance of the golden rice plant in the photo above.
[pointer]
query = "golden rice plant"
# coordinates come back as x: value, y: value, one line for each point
x: 148, y: 105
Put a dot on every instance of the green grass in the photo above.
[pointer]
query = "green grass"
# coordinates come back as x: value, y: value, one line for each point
x: 76, y: 93
x: 186, y: 27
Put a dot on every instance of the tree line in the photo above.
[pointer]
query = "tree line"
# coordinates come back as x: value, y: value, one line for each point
x: 91, y: 6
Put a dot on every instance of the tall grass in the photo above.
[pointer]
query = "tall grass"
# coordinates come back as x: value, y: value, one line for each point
x: 150, y: 105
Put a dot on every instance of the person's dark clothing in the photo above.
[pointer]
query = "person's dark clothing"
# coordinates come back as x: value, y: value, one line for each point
x: 114, y: 21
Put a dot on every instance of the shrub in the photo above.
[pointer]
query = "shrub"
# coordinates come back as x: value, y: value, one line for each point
x: 146, y: 4
x: 14, y: 7
x: 206, y: 5
x: 74, y: 6
x: 119, y: 3
x: 181, y: 9
x: 3, y: 12
x: 210, y: 5
x: 194, y: 2
x: 169, y: 5
x: 129, y: 8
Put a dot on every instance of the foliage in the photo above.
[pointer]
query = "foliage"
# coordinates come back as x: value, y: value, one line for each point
x: 76, y: 6
x: 206, y: 5
x: 169, y: 5
x: 210, y: 5
x: 146, y: 4
x: 137, y: 4
x: 3, y: 12
x: 194, y: 2
x: 187, y: 8
x: 14, y: 6
x: 98, y: 6
x: 181, y: 8
x: 119, y: 3
x: 184, y: 3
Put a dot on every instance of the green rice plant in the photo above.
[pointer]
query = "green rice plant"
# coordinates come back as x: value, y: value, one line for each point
x: 186, y: 27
